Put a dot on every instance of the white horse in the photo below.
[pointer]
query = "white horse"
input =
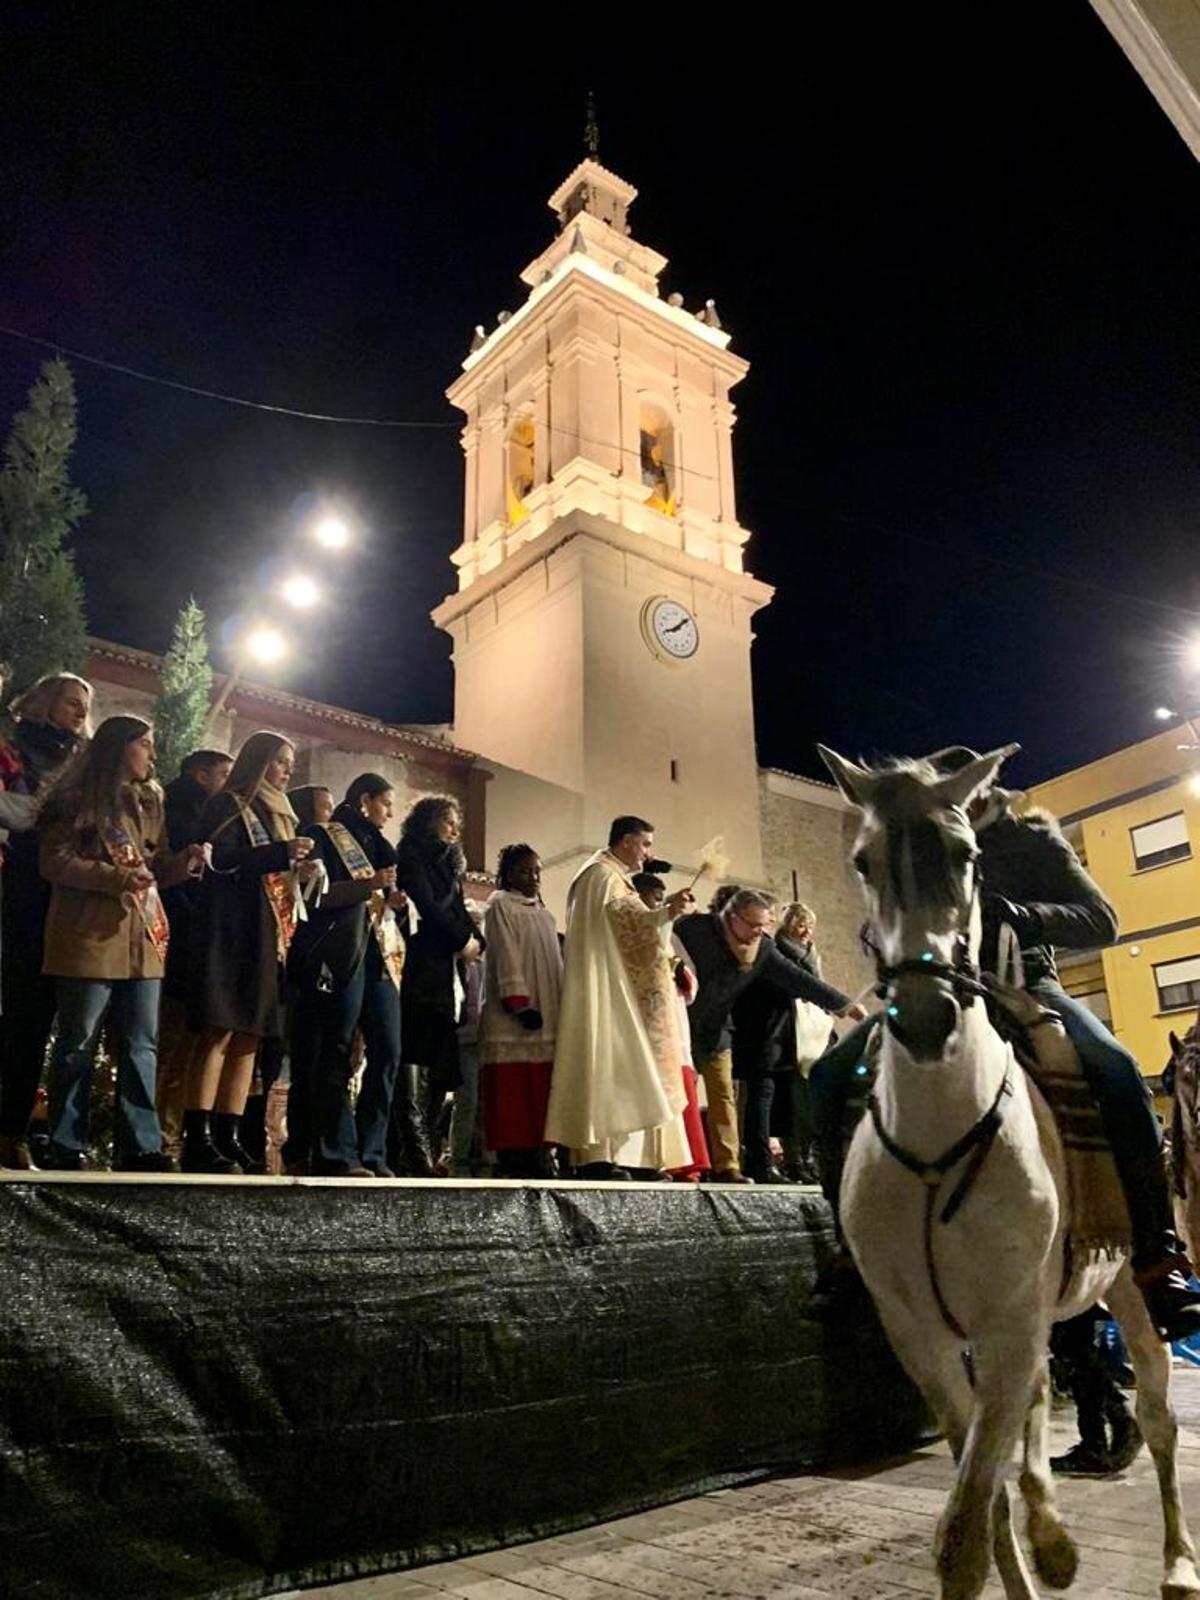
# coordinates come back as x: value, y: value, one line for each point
x: 953, y: 1200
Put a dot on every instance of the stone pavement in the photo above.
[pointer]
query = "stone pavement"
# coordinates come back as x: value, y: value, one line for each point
x: 860, y: 1534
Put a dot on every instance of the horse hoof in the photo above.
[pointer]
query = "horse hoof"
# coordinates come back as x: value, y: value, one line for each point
x: 1180, y: 1591
x: 1057, y: 1561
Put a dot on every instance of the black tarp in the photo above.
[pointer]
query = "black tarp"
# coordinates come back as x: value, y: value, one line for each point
x: 230, y: 1388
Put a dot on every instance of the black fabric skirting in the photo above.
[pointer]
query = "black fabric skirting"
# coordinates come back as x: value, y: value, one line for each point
x: 230, y: 1388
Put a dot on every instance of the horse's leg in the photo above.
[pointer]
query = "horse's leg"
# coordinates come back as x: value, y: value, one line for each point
x: 936, y: 1367
x: 1152, y: 1366
x: 1054, y: 1552
x: 1007, y: 1362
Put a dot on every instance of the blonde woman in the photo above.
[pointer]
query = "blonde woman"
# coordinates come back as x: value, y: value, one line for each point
x: 244, y: 921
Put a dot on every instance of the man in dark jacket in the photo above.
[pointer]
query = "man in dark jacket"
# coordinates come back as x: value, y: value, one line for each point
x: 730, y: 950
x: 201, y: 774
x: 1033, y: 882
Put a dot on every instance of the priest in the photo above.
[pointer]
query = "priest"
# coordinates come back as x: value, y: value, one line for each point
x: 617, y: 1092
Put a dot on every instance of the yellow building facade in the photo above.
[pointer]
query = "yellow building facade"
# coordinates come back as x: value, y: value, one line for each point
x: 1134, y: 818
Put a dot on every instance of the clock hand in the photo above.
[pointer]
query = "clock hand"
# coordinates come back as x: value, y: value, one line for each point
x: 678, y: 625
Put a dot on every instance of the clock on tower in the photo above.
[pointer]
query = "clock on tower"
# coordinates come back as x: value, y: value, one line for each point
x: 602, y: 622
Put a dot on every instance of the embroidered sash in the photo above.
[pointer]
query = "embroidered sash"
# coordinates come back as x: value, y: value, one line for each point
x: 287, y: 907
x: 384, y: 926
x: 122, y: 852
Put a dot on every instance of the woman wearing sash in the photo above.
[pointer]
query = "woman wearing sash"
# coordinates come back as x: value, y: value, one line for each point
x: 104, y: 852
x: 344, y: 972
x: 245, y: 916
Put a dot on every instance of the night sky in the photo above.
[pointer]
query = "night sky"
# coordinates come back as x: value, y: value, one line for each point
x: 961, y: 258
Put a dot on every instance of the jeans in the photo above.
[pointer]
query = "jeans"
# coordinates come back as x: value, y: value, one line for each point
x: 380, y: 1023
x: 82, y: 1003
x: 756, y: 1125
x: 464, y: 1119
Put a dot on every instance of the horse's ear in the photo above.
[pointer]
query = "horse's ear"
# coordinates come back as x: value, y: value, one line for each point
x: 1176, y: 1047
x: 960, y: 788
x: 855, y: 782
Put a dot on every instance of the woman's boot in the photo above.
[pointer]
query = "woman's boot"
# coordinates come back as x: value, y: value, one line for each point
x: 408, y: 1114
x: 200, y: 1154
x: 225, y: 1127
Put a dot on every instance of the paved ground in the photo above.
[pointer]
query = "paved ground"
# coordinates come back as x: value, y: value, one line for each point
x: 860, y: 1535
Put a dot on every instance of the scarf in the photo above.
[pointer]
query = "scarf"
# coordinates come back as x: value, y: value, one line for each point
x: 282, y: 889
x: 42, y: 749
x: 382, y: 917
x: 123, y: 852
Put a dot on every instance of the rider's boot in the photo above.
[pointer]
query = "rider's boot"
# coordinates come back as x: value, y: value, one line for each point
x: 1161, y: 1268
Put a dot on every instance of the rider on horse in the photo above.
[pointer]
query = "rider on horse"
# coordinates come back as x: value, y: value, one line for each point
x: 1033, y: 882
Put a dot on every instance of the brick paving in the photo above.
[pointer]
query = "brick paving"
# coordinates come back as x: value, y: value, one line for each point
x: 862, y: 1534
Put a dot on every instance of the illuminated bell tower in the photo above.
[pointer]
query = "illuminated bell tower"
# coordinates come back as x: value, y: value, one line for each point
x: 602, y: 623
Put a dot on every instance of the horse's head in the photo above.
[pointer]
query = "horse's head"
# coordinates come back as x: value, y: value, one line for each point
x: 1185, y: 1068
x: 915, y: 856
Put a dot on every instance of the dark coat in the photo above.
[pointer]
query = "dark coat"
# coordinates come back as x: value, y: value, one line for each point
x: 764, y: 1018
x: 37, y: 750
x: 723, y: 979
x: 331, y: 946
x: 184, y: 801
x: 429, y: 874
x: 234, y: 973
x: 1031, y: 878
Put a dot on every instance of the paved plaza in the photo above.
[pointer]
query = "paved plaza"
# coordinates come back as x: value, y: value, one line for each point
x: 861, y: 1534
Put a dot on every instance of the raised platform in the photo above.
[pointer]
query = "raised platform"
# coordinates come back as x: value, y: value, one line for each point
x: 228, y: 1387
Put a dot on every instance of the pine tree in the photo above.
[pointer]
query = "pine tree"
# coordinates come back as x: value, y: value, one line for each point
x: 42, y: 626
x: 181, y: 709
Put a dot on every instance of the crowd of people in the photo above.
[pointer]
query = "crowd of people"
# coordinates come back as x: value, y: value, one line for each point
x: 229, y: 932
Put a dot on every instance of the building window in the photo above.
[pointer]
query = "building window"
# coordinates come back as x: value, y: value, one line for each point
x: 519, y: 469
x: 1157, y: 843
x: 1178, y: 984
x: 657, y: 446
x: 1097, y: 1002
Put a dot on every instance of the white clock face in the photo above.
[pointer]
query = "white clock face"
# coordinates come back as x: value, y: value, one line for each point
x: 674, y: 630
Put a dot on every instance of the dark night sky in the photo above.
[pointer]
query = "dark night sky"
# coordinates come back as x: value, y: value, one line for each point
x: 961, y: 258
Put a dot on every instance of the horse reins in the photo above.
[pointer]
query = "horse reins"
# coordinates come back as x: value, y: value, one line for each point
x: 964, y: 978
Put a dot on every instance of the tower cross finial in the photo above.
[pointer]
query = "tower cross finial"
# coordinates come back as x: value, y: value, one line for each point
x: 591, y: 130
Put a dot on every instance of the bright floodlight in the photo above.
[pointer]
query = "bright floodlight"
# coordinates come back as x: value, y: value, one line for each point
x: 1192, y: 653
x: 300, y: 591
x: 333, y: 533
x: 1163, y: 713
x: 266, y: 645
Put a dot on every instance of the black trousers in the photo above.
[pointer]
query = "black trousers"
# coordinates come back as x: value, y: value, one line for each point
x: 29, y: 1003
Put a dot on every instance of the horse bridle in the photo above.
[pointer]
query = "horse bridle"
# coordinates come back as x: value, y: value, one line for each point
x: 963, y: 976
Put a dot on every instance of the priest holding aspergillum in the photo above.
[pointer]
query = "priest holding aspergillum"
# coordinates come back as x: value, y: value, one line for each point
x: 617, y: 1094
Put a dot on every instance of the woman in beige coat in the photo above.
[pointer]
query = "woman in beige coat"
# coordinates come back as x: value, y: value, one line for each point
x: 103, y: 850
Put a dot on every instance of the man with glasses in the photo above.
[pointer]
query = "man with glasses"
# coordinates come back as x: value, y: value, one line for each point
x: 731, y: 949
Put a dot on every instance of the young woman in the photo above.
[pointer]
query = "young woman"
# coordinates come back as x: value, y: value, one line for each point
x: 344, y: 972
x: 313, y: 805
x: 52, y: 725
x: 521, y: 988
x: 244, y: 920
x: 429, y: 868
x: 104, y: 852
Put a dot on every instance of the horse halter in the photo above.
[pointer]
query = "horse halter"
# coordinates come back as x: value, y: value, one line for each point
x: 962, y: 973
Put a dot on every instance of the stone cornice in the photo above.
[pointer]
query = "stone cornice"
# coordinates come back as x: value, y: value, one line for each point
x: 581, y: 524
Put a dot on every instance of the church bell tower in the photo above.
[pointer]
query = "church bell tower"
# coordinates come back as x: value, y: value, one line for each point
x: 602, y: 622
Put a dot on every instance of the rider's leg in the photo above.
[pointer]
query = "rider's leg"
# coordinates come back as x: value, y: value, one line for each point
x: 837, y: 1079
x: 1127, y: 1112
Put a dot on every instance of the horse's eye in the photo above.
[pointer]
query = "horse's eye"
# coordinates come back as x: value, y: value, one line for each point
x: 861, y: 863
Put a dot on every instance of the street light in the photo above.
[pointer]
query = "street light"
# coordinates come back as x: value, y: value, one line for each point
x: 1163, y: 713
x: 300, y: 591
x: 1191, y: 653
x: 332, y: 532
x: 266, y: 645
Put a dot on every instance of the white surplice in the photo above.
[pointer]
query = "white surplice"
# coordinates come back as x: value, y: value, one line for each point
x: 617, y: 1088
